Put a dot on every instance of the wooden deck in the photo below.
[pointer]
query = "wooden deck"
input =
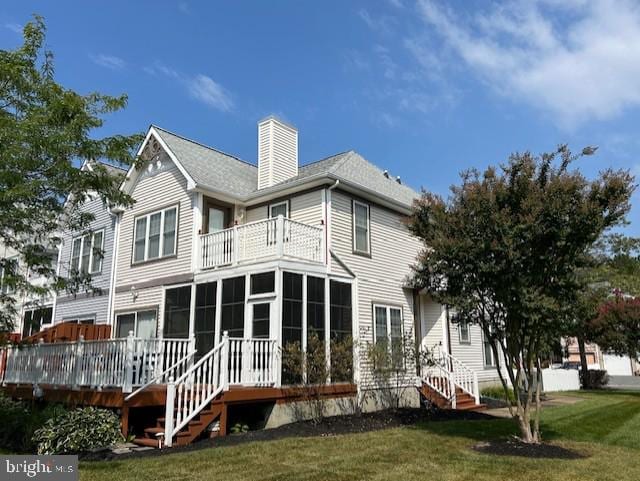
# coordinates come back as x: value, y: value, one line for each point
x: 154, y: 397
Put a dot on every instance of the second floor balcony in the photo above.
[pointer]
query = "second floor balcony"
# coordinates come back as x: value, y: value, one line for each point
x: 274, y: 238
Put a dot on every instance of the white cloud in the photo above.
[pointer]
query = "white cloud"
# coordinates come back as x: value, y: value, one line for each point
x: 14, y: 27
x: 396, y: 3
x: 577, y: 60
x: 379, y: 24
x: 201, y: 87
x: 211, y: 93
x: 108, y: 61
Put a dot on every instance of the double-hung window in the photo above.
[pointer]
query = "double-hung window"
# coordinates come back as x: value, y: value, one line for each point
x: 388, y: 329
x: 87, y: 252
x: 154, y: 235
x: 489, y: 360
x: 464, y: 334
x: 361, y: 228
x: 281, y: 208
x: 141, y: 323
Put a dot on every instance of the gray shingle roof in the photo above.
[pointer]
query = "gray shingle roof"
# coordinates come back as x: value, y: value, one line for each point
x: 215, y: 170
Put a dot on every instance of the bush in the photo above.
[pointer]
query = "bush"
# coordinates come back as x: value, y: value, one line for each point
x: 497, y: 392
x: 79, y: 430
x: 19, y: 421
x: 596, y: 379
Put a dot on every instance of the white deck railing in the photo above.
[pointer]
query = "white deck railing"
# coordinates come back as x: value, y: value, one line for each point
x: 110, y: 363
x: 249, y: 362
x: 270, y: 238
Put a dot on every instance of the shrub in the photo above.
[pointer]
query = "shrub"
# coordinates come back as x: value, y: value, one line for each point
x: 19, y: 421
x: 596, y: 379
x: 79, y: 430
x: 497, y: 392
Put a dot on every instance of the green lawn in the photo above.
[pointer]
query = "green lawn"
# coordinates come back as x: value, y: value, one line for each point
x: 606, y: 426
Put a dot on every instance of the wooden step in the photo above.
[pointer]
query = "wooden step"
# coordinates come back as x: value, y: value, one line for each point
x: 152, y: 443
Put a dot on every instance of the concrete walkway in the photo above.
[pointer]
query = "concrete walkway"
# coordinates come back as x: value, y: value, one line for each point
x: 631, y: 383
x: 551, y: 401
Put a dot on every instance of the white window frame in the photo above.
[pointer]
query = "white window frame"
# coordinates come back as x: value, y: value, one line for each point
x: 277, y: 204
x: 388, y: 308
x: 467, y: 329
x: 148, y: 216
x: 135, y: 320
x: 353, y: 226
x: 484, y: 354
x: 92, y: 248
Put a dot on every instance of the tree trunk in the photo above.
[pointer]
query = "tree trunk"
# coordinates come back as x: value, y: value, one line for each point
x: 584, y: 367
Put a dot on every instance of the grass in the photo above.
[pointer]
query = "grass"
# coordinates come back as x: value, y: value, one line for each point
x: 604, y: 425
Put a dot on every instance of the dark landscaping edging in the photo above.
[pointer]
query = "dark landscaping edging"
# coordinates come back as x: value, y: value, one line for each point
x: 515, y: 447
x: 332, y: 426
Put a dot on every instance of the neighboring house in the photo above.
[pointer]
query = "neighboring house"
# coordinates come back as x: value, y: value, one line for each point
x: 220, y: 264
x: 31, y: 312
x: 614, y: 364
x: 90, y: 252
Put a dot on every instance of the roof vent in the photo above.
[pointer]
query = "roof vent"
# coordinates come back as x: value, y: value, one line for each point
x: 386, y: 174
x: 277, y: 152
x: 398, y: 180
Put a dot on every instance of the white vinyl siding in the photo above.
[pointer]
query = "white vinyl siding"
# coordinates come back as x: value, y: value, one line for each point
x: 87, y: 253
x: 156, y: 188
x: 380, y: 279
x: 305, y: 208
x: 155, y: 235
x: 95, y: 305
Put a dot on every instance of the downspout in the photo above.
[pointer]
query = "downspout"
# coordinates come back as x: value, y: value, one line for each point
x: 114, y: 266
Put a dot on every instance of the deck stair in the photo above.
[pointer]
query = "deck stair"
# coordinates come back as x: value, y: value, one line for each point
x: 450, y: 384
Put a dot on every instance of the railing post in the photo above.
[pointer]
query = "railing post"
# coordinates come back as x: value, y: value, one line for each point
x: 452, y: 390
x: 168, y: 414
x: 77, y: 362
x: 235, y: 244
x: 476, y: 390
x: 128, y: 370
x: 39, y: 364
x: 280, y: 236
x: 224, y: 361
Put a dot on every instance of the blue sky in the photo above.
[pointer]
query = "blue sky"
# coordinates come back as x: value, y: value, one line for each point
x: 417, y: 87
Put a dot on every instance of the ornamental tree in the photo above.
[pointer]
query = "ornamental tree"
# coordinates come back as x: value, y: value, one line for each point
x: 616, y: 328
x: 504, y: 251
x: 46, y: 132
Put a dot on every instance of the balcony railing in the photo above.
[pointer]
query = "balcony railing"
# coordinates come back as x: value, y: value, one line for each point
x: 270, y: 238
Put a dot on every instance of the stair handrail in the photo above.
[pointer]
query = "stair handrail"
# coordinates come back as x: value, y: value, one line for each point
x: 462, y: 375
x: 441, y: 382
x: 210, y: 374
x: 159, y: 377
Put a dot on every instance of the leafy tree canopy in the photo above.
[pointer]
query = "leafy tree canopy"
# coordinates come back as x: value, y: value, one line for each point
x: 46, y: 132
x: 504, y: 250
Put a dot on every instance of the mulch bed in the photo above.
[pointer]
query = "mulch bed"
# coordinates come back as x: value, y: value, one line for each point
x: 515, y: 447
x: 328, y: 427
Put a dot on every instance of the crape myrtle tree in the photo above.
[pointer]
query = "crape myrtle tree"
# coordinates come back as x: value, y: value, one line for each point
x: 504, y: 251
x: 46, y: 132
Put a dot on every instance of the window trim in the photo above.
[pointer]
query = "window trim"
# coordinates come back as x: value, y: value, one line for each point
x: 81, y: 252
x: 135, y: 312
x: 387, y: 308
x: 484, y: 355
x: 357, y: 251
x: 467, y: 341
x: 147, y: 216
x: 276, y: 204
